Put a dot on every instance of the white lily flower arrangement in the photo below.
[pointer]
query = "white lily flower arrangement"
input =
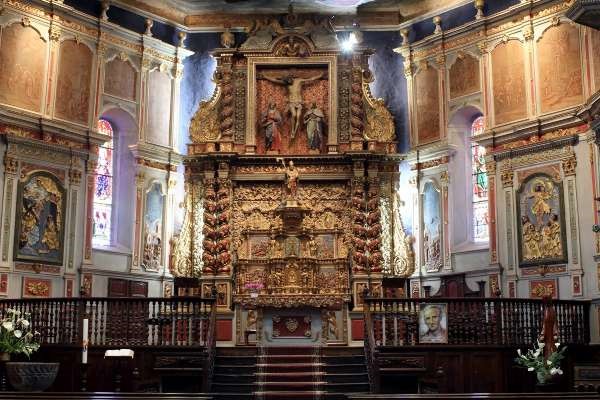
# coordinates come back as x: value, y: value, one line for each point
x: 544, y: 369
x: 16, y: 334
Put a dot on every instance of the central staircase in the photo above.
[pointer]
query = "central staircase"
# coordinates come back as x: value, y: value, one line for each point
x: 289, y: 373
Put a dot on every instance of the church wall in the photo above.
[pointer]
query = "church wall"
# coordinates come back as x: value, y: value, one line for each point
x: 75, y: 69
x: 529, y: 129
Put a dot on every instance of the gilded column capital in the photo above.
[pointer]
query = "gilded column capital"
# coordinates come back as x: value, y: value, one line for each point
x: 569, y: 165
x: 139, y: 179
x: 483, y: 47
x: 75, y: 176
x: 528, y: 32
x: 507, y: 176
x: 10, y: 165
x: 408, y: 69
x: 101, y: 49
x: 490, y: 167
x: 444, y: 178
x: 440, y: 60
x: 54, y: 32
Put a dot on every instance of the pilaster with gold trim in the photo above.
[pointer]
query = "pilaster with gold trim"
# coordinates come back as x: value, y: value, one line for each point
x: 90, y: 178
x: 137, y: 226
x: 11, y: 167
x: 490, y: 166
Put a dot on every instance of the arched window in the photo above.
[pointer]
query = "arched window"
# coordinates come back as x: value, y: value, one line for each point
x: 479, y: 183
x: 103, y: 193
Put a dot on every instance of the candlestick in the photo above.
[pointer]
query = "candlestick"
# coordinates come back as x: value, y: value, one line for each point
x: 84, y: 354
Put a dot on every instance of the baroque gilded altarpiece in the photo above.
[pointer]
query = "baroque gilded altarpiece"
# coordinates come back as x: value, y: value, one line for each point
x: 291, y: 182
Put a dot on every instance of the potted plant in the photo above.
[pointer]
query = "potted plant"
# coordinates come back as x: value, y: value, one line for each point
x: 546, y: 367
x: 18, y: 337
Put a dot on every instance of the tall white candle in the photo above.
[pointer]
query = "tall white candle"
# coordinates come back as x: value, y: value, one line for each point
x: 84, y: 351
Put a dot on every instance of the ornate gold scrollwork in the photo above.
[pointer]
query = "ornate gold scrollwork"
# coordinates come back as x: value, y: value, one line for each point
x: 204, y: 126
x: 379, y: 121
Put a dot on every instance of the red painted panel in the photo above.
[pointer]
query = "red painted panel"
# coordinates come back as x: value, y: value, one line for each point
x: 358, y: 328
x: 224, y: 329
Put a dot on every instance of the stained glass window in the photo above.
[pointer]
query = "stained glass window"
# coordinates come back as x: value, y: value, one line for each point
x: 103, y: 188
x: 480, y: 185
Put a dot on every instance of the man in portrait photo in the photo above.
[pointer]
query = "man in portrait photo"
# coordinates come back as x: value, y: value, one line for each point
x: 433, y: 324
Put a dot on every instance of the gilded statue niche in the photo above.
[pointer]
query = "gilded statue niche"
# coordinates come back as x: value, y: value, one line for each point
x: 595, y: 35
x: 508, y: 80
x: 120, y: 79
x: 464, y: 76
x: 559, y: 68
x: 427, y: 99
x: 541, y: 221
x: 204, y: 126
x: 22, y: 64
x: 73, y: 83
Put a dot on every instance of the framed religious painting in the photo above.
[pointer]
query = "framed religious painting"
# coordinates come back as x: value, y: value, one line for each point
x: 153, y: 228
x: 432, y: 227
x: 541, y: 221
x: 293, y: 105
x: 40, y: 219
x: 433, y: 323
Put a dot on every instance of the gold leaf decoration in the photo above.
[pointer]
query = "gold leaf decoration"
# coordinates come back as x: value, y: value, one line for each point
x: 204, y: 126
x: 380, y: 122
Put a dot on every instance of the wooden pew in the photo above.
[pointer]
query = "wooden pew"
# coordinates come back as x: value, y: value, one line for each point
x: 472, y: 396
x: 102, y: 396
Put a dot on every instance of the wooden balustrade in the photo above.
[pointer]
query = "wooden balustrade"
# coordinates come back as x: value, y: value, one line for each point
x: 474, y: 321
x: 121, y: 322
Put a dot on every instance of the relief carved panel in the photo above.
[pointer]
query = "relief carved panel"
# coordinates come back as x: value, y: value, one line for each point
x: 508, y: 80
x: 464, y: 76
x: 559, y: 68
x: 120, y: 79
x: 159, y: 108
x: 427, y: 105
x: 74, y: 79
x: 22, y: 63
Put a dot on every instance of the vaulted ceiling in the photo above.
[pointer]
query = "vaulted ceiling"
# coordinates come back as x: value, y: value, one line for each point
x: 207, y: 13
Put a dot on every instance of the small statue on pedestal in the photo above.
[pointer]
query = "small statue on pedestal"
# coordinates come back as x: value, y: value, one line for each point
x: 291, y: 178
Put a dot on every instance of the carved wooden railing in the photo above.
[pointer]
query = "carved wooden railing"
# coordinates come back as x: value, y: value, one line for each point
x: 474, y: 321
x: 122, y: 322
x: 370, y: 345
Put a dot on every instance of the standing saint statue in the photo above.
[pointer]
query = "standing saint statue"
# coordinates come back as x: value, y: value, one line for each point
x: 313, y: 119
x: 291, y: 178
x: 294, y: 88
x: 270, y: 121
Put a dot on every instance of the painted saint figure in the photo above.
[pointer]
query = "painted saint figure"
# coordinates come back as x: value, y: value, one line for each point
x: 313, y: 119
x: 270, y: 121
x: 294, y: 89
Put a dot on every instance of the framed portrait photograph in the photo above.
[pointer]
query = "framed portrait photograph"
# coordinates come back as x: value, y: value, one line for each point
x: 433, y: 323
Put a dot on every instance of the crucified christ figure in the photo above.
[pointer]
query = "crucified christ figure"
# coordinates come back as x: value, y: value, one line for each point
x: 294, y: 89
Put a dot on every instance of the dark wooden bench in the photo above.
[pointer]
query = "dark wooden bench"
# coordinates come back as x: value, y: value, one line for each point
x: 472, y: 396
x: 102, y: 396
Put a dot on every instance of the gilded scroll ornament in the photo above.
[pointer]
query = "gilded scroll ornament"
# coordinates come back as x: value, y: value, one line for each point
x: 204, y: 126
x: 403, y: 262
x: 182, y: 261
x: 379, y: 121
